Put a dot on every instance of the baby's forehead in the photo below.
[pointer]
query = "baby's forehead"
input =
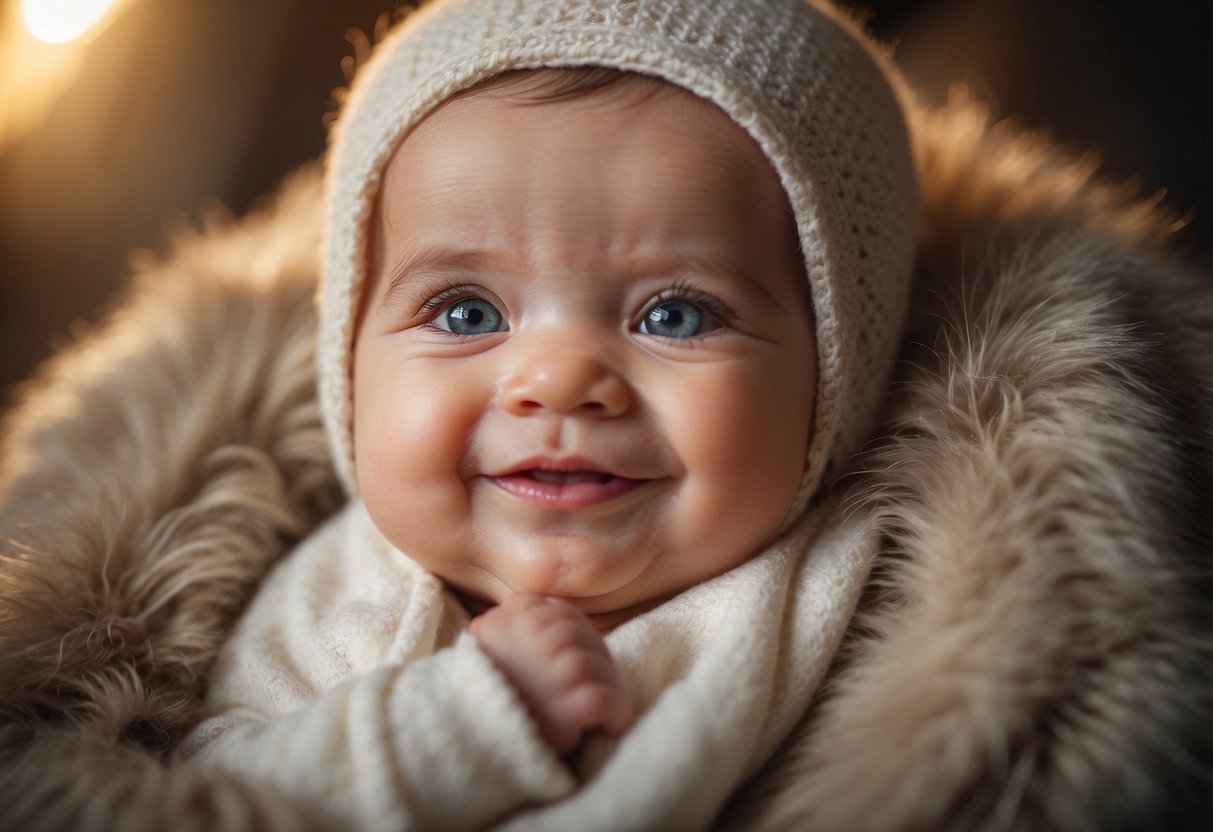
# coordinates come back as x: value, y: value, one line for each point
x: 612, y: 95
x: 688, y: 142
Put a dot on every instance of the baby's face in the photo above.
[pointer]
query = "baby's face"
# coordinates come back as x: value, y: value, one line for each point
x: 585, y: 366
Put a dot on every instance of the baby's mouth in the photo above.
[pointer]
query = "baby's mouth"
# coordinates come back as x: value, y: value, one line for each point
x: 567, y: 477
x: 565, y: 489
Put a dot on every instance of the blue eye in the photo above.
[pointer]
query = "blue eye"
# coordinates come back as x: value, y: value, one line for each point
x: 470, y: 316
x: 677, y: 319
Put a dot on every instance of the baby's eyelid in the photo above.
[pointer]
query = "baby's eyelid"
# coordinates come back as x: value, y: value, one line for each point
x: 716, y: 308
x: 452, y: 291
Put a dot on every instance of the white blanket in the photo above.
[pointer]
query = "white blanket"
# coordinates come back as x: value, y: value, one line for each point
x: 351, y: 685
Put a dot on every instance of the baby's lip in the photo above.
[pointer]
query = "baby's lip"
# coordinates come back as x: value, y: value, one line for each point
x: 563, y: 470
x: 570, y: 482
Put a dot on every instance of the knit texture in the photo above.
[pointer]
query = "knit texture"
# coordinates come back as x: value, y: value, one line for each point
x: 352, y: 679
x: 811, y: 96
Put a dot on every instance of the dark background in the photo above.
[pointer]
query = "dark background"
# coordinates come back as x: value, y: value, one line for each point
x: 181, y: 106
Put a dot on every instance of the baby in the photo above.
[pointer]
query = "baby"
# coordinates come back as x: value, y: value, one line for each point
x: 609, y: 286
x: 586, y: 355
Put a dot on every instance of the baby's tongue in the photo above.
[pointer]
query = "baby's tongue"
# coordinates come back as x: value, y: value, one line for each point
x: 568, y: 477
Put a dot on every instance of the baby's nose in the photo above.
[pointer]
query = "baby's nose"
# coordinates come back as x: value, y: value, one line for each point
x: 558, y: 380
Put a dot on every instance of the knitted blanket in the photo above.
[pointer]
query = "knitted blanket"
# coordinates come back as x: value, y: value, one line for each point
x: 351, y: 676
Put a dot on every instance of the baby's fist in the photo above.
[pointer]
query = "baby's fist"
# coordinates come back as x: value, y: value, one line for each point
x: 559, y: 665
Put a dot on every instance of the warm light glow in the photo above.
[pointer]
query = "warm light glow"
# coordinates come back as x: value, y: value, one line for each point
x: 35, y: 72
x: 62, y: 21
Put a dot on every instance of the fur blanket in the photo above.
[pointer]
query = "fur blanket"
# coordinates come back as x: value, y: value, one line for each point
x: 1036, y: 647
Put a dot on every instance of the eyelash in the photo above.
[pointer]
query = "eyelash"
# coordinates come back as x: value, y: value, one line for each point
x: 446, y: 292
x: 682, y: 290
x: 449, y: 290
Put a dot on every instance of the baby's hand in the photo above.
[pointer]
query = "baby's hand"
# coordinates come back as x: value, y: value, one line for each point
x: 559, y: 665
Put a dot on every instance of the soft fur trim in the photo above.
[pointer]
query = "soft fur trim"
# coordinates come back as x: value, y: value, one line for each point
x: 1035, y: 652
x: 149, y: 477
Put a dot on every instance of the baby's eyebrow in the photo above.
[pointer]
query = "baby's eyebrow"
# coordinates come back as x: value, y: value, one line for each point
x: 697, y: 263
x: 436, y: 258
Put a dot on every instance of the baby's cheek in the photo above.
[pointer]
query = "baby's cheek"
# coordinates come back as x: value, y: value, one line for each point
x: 745, y: 449
x: 410, y: 437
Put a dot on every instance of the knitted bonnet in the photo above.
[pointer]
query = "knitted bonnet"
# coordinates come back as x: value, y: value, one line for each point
x: 809, y: 93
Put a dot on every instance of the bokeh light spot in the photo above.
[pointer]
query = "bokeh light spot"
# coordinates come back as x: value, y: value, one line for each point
x: 62, y: 21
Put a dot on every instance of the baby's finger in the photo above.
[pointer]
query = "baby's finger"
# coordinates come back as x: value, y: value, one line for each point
x: 598, y: 706
x: 541, y: 617
x: 618, y: 717
x: 570, y: 634
x: 577, y: 666
x: 521, y: 600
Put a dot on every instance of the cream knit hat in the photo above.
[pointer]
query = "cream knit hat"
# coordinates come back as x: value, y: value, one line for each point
x: 810, y: 94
